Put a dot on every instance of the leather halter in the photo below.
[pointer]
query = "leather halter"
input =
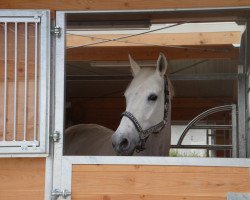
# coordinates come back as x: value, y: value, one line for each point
x: 144, y: 134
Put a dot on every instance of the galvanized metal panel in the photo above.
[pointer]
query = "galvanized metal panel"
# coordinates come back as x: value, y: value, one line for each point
x: 39, y: 20
x: 238, y: 196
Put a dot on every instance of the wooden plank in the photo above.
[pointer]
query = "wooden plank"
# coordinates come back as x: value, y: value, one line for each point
x: 118, y: 4
x: 151, y: 53
x: 22, y: 178
x: 157, y: 182
x: 159, y: 169
x: 163, y: 39
x: 144, y: 197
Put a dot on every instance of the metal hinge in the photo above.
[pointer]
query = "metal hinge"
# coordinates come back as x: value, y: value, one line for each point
x: 56, y: 31
x: 55, y: 136
x: 56, y: 193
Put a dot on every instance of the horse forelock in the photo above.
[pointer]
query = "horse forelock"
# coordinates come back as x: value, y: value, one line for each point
x: 140, y: 79
x: 143, y: 76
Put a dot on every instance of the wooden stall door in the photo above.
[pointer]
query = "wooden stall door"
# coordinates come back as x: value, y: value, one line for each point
x: 22, y: 178
x: 123, y: 182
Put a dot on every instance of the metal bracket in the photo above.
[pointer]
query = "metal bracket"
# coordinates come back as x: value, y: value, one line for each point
x: 56, y: 31
x: 56, y: 193
x: 55, y: 136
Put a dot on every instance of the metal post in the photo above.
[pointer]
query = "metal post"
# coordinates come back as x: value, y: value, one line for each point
x: 246, y: 55
x: 235, y: 152
x: 59, y: 101
x: 25, y: 81
x: 5, y: 79
x: 242, y: 111
x: 15, y: 84
x: 35, y: 84
x: 207, y: 141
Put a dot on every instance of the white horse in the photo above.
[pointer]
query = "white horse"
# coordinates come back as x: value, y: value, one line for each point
x: 145, y: 125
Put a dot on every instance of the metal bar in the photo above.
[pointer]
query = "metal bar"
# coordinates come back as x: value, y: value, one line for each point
x: 15, y: 84
x: 19, y: 19
x: 44, y: 82
x: 18, y: 143
x: 207, y: 142
x: 201, y: 116
x: 242, y: 111
x: 5, y: 79
x: 210, y: 147
x: 176, y: 77
x: 59, y: 100
x: 25, y: 82
x: 217, y: 127
x: 235, y: 152
x: 247, y: 68
x: 203, y: 77
x: 168, y: 161
x: 35, y: 85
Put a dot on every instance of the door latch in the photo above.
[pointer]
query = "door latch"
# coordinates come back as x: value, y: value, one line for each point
x: 56, y: 193
x: 56, y: 136
x: 56, y: 31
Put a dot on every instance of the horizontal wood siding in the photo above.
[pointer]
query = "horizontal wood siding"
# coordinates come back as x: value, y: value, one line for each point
x: 22, y: 178
x: 117, y: 4
x: 150, y: 53
x: 109, y: 182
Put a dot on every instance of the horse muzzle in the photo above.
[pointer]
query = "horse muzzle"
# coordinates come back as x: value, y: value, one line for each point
x: 122, y: 145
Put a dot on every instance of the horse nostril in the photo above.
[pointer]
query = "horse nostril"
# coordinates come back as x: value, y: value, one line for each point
x: 124, y: 144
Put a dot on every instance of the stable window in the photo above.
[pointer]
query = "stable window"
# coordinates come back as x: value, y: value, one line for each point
x: 24, y: 82
x: 203, y: 68
x: 87, y: 70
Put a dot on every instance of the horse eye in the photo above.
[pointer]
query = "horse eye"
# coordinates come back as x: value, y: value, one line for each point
x: 152, y: 97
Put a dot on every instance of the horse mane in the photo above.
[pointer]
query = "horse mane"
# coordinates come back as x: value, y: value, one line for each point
x: 170, y: 87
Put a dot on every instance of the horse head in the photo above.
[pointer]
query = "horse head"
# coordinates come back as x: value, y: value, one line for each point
x: 145, y: 107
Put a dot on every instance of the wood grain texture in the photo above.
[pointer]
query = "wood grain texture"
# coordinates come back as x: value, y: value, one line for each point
x: 22, y: 178
x: 117, y: 4
x: 157, y: 182
x: 163, y: 39
x: 151, y: 53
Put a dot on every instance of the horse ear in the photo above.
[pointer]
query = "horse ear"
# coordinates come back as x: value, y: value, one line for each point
x: 162, y: 64
x: 134, y: 66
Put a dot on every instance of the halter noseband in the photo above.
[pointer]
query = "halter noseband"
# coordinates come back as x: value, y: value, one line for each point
x: 144, y: 134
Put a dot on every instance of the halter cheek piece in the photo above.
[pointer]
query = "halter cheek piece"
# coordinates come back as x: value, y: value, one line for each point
x: 144, y: 134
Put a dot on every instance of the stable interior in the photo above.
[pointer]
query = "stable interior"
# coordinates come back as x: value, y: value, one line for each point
x: 203, y: 67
